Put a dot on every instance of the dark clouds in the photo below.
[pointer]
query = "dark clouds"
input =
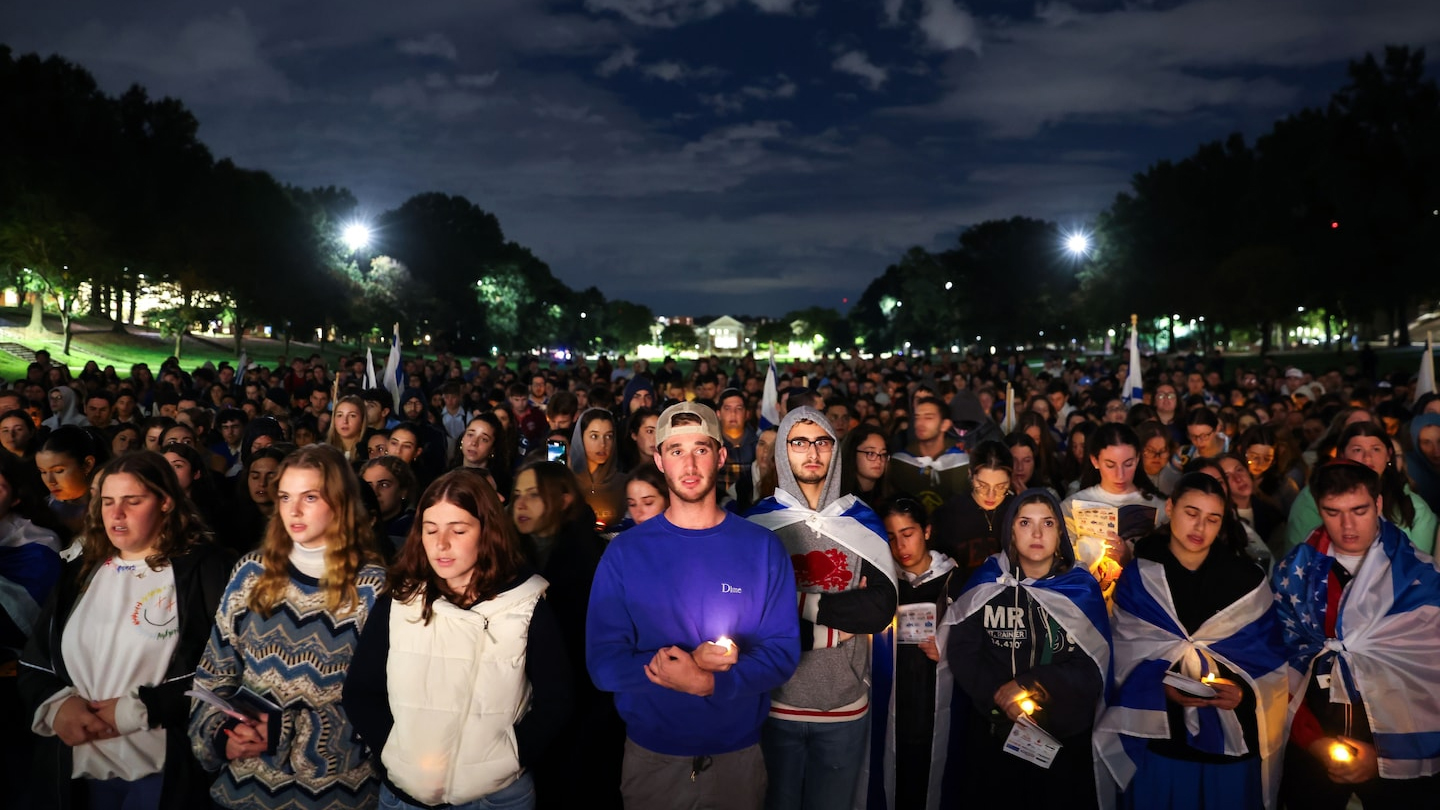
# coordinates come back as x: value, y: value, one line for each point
x: 744, y: 156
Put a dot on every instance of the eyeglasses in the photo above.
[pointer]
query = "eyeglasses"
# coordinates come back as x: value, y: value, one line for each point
x: 1115, y: 408
x: 981, y: 488
x: 824, y: 444
x: 873, y: 455
x: 1164, y: 396
x: 1202, y: 439
x: 1157, y: 453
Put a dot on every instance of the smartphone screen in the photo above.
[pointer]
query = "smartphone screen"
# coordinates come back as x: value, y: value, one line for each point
x: 555, y: 451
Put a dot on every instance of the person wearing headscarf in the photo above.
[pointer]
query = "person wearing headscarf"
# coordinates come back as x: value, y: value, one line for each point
x: 1422, y: 462
x: 594, y: 457
x: 815, y: 739
x: 1028, y: 646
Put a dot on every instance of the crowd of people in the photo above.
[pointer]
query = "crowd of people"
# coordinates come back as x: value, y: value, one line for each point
x: 851, y: 582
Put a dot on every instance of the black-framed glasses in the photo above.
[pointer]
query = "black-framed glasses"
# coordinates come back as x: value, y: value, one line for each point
x: 874, y: 455
x: 801, y: 444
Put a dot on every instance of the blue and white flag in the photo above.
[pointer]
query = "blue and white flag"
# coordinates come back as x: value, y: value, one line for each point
x: 1150, y: 641
x: 770, y: 399
x: 1134, y: 389
x: 1072, y: 599
x: 846, y: 520
x: 1385, y: 643
x: 391, y: 378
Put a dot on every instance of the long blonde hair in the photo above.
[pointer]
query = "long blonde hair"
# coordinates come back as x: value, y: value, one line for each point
x: 332, y: 436
x: 349, y: 542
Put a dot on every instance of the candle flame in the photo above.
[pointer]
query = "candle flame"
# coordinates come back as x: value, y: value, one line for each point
x: 1340, y: 752
x: 1209, y: 678
x: 1028, y: 706
x: 724, y: 641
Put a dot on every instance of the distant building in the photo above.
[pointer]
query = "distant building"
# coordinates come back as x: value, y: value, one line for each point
x: 724, y: 335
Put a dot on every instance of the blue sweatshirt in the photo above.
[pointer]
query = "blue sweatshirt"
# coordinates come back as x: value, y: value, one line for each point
x: 660, y: 585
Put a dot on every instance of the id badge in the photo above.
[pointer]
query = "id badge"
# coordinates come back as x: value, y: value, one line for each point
x: 1031, y: 743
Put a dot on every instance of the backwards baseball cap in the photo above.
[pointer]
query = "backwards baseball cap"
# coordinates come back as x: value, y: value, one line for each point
x: 709, y: 424
x: 1294, y: 372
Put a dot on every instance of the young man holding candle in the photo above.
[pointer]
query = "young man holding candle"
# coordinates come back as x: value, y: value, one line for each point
x: 692, y: 623
x: 815, y: 739
x: 1359, y: 606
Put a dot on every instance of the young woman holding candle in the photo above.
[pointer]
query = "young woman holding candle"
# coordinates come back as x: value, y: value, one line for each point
x: 1029, y: 636
x: 287, y: 629
x: 1116, y: 480
x: 922, y: 687
x: 1193, y: 604
x: 464, y: 625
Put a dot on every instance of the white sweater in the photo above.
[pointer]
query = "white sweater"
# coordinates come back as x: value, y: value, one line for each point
x: 457, y: 688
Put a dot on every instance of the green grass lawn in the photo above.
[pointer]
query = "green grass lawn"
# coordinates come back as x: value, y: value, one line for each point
x: 93, y: 339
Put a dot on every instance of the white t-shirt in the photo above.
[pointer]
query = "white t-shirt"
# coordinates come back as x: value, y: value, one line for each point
x: 121, y: 636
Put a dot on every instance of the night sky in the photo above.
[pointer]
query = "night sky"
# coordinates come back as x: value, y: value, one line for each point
x: 725, y: 156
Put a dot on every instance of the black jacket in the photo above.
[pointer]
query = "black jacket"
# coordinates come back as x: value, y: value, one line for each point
x: 201, y: 574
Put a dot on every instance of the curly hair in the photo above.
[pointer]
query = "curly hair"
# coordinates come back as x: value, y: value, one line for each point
x: 498, y: 557
x: 180, y: 527
x: 349, y: 540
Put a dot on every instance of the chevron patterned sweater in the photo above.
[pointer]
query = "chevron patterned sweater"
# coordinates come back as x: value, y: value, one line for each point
x: 297, y: 657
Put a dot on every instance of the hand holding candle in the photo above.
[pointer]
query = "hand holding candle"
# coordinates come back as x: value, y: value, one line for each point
x: 716, y: 656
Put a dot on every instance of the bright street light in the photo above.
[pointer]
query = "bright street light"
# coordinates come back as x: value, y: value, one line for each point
x: 1078, y: 243
x: 356, y: 236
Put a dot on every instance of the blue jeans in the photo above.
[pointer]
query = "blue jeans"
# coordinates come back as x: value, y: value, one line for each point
x: 117, y: 794
x: 518, y: 795
x: 813, y: 766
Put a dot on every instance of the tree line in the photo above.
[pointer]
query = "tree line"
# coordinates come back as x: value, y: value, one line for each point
x: 1333, y: 216
x: 117, y: 197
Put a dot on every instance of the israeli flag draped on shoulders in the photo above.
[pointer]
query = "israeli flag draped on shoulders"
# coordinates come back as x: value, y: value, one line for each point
x: 1385, y: 643
x: 846, y: 520
x: 1150, y: 640
x: 1072, y: 599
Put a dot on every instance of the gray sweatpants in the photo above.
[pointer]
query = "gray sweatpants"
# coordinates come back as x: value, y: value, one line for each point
x: 733, y: 781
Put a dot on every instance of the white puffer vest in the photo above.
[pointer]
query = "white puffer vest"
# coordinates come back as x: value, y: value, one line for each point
x: 457, y: 688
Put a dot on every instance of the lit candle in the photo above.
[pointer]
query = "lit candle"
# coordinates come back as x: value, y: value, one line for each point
x: 1340, y: 752
x: 1027, y: 705
x: 1209, y: 678
x: 724, y: 641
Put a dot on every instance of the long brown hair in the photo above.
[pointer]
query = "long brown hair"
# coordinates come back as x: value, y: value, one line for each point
x: 349, y: 541
x: 561, y: 493
x: 181, y: 526
x: 499, y: 557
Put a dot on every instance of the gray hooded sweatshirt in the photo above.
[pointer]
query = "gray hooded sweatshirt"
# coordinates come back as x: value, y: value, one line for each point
x: 832, y: 549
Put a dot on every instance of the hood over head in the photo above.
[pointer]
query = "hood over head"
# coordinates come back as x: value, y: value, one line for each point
x: 831, y: 489
x: 639, y: 382
x: 965, y: 408
x: 1065, y: 548
x: 579, y: 464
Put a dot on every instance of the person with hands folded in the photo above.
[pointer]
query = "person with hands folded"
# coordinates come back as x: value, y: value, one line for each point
x: 106, y: 669
x: 1198, y: 720
x: 692, y: 622
x: 1358, y: 606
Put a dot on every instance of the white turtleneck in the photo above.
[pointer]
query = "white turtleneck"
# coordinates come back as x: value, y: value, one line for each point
x: 309, y: 561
